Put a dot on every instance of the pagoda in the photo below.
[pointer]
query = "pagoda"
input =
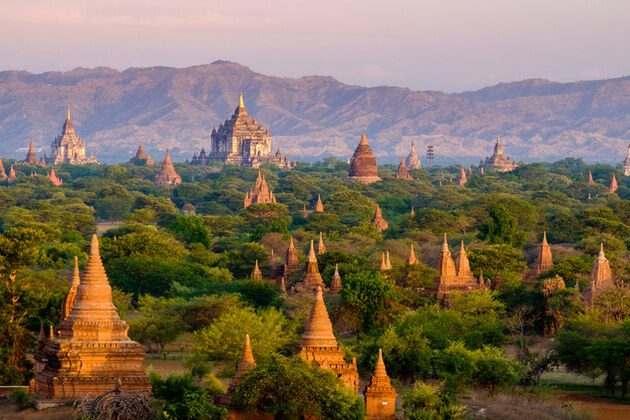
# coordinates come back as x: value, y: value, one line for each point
x: 461, y: 181
x: 413, y: 162
x: 380, y: 395
x: 30, y: 155
x: 613, y: 184
x: 259, y: 194
x: 68, y: 147
x: 464, y: 273
x: 454, y: 277
x: 53, y: 178
x: 311, y: 279
x: 378, y: 221
x: 321, y: 248
x: 590, y: 178
x: 140, y: 155
x: 240, y: 141
x: 12, y: 177
x: 3, y: 174
x: 544, y: 261
x: 335, y: 284
x: 319, y: 346
x: 246, y: 364
x: 412, y: 257
x: 319, y: 206
x: 89, y: 351
x: 626, y: 164
x: 498, y: 161
x: 601, y: 279
x: 402, y: 170
x: 363, y: 167
x: 256, y: 273
x: 304, y: 212
x: 291, y: 263
x: 167, y: 174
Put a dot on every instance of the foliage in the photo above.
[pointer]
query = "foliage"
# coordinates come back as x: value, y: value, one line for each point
x: 427, y: 402
x: 370, y: 295
x: 501, y: 228
x: 191, y: 229
x: 159, y: 325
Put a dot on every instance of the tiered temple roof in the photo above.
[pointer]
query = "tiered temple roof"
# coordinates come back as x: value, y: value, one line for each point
x: 319, y: 345
x: 256, y: 273
x: 378, y: 220
x: 30, y: 155
x: 319, y: 206
x: 291, y: 263
x: 335, y: 284
x: 89, y: 351
x: 321, y: 248
x: 363, y: 167
x: 68, y: 147
x: 140, y: 155
x: 53, y: 177
x: 259, y: 194
x: 601, y: 279
x: 413, y: 162
x: 498, y: 161
x: 311, y: 278
x: 380, y: 395
x: 455, y: 277
x: 167, y: 175
x: 246, y: 363
x: 403, y: 173
x: 544, y: 262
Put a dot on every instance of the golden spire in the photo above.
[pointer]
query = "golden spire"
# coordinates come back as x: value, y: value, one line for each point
x: 412, y: 257
x: 246, y: 364
x: 319, y: 331
x: 240, y: 101
x: 75, y: 275
x: 379, y: 369
x: 68, y: 116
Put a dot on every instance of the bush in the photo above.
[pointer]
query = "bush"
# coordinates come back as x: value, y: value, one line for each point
x: 425, y: 401
x: 20, y: 398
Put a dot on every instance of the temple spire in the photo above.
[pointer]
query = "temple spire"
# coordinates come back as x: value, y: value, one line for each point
x: 246, y: 363
x: 240, y: 101
x: 412, y: 257
x: 319, y: 331
x: 68, y: 115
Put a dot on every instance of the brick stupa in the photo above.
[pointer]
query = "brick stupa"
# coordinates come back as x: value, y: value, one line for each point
x: 601, y: 279
x: 613, y: 184
x: 246, y: 363
x: 319, y: 346
x: 544, y: 262
x: 12, y: 177
x: 454, y: 277
x: 403, y: 173
x: 311, y: 280
x: 461, y: 181
x: 319, y: 206
x: 53, y: 177
x: 412, y: 257
x: 335, y: 284
x: 3, y: 174
x: 30, y: 155
x: 413, y: 162
x: 380, y: 395
x: 363, y: 167
x: 590, y: 178
x: 321, y: 248
x: 140, y: 155
x: 259, y: 194
x: 256, y: 273
x: 89, y: 350
x: 291, y: 262
x: 378, y: 220
x: 167, y: 175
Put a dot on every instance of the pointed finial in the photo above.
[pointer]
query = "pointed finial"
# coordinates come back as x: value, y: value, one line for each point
x: 601, y: 251
x: 75, y: 274
x: 379, y: 369
x: 291, y: 243
x: 240, y: 101
x: 51, y: 334
x: 445, y: 243
x: 68, y: 116
x: 311, y: 253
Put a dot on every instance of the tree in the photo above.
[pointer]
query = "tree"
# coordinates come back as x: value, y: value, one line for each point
x: 501, y: 228
x: 289, y: 387
x: 159, y: 325
x: 261, y: 219
x: 425, y: 401
x: 498, y: 260
x: 182, y: 398
x: 191, y: 229
x: 369, y: 295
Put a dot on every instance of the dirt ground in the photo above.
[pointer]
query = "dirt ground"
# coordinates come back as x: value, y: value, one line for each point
x: 9, y: 412
x: 601, y: 409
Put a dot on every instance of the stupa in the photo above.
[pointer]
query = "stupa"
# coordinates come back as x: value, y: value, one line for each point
x: 601, y: 279
x: 590, y: 178
x: 412, y: 257
x: 259, y: 194
x: 363, y: 167
x: 613, y: 184
x: 304, y: 212
x: 626, y: 164
x: 311, y: 279
x: 319, y: 346
x: 12, y: 177
x: 246, y: 363
x: 412, y: 213
x: 321, y: 248
x: 380, y: 395
x: 378, y: 221
x: 140, y: 156
x: 291, y: 263
x: 256, y: 273
x: 383, y: 266
x: 413, y: 162
x: 53, y: 177
x: 89, y: 351
x: 167, y: 175
x: 454, y: 277
x: 498, y: 161
x: 30, y: 155
x: 335, y: 284
x: 461, y: 181
x: 68, y: 147
x: 3, y: 174
x: 402, y: 170
x: 319, y: 206
x: 544, y: 261
x: 464, y: 273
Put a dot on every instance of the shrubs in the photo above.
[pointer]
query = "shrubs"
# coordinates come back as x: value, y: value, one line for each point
x: 425, y: 401
x: 20, y: 398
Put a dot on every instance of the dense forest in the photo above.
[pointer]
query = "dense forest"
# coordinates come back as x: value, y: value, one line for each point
x: 179, y: 260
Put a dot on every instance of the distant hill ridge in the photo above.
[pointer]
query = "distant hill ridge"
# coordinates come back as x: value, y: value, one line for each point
x: 312, y: 116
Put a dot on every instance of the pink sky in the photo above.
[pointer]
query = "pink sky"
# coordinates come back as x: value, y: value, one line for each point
x: 449, y: 45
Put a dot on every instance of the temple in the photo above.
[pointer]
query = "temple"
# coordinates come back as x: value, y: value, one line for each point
x: 321, y: 248
x: 68, y: 147
x: 498, y: 161
x: 141, y: 156
x: 363, y: 167
x: 403, y: 173
x: 311, y: 279
x: 601, y: 279
x: 167, y: 174
x: 319, y: 346
x: 590, y: 178
x: 412, y: 257
x: 380, y: 395
x: 291, y: 263
x: 378, y: 221
x: 319, y: 206
x: 30, y: 155
x: 3, y: 174
x: 454, y: 278
x: 626, y: 164
x: 613, y: 184
x: 12, y: 177
x: 335, y: 284
x: 259, y: 194
x: 544, y: 262
x: 53, y: 177
x: 89, y: 351
x: 256, y: 273
x: 461, y: 181
x: 385, y: 263
x: 246, y: 363
x: 413, y: 162
x: 240, y: 141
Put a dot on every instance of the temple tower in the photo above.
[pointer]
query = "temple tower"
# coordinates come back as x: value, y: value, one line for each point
x: 89, y: 351
x: 246, y: 364
x: 321, y: 248
x: 53, y: 177
x: 464, y: 273
x: 380, y: 395
x: 378, y: 221
x: 363, y: 167
x: 319, y: 206
x: 311, y: 280
x: 626, y: 164
x: 256, y: 273
x: 140, y: 155
x: 335, y: 285
x: 291, y: 263
x: 68, y: 147
x: 544, y: 261
x: 461, y: 181
x: 590, y: 178
x: 30, y: 155
x: 167, y: 175
x: 12, y: 177
x: 319, y: 346
x: 402, y: 170
x: 413, y: 162
x: 447, y: 269
x: 3, y: 174
x: 601, y: 279
x: 259, y: 194
x: 412, y: 257
x: 613, y: 184
x: 498, y: 161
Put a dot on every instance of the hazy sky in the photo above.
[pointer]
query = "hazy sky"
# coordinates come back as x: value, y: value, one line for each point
x: 449, y: 45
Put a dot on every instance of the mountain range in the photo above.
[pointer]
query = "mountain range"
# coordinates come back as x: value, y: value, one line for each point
x: 313, y: 116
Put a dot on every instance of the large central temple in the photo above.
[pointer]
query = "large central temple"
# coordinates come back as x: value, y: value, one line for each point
x: 68, y: 147
x: 240, y: 141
